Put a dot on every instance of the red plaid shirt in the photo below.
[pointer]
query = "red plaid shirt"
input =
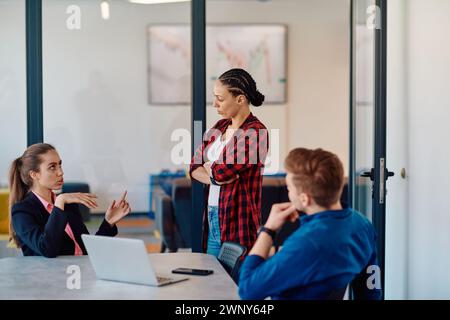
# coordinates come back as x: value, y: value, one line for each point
x: 239, y: 201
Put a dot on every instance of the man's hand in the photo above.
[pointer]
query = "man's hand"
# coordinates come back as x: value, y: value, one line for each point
x: 279, y: 214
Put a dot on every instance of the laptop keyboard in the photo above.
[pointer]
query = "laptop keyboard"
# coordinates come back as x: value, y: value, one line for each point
x: 163, y: 279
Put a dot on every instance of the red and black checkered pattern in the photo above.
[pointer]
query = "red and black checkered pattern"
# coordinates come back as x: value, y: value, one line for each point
x: 239, y: 201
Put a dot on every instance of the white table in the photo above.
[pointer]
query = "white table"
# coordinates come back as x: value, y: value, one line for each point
x: 43, y: 278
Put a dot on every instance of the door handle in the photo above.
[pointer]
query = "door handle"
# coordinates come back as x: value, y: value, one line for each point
x: 368, y: 174
x: 389, y: 174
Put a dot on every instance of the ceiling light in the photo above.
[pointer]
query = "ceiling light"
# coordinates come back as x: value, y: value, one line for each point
x: 155, y: 1
x: 104, y: 6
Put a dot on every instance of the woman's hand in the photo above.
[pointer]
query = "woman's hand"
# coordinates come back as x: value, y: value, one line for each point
x: 207, y: 166
x: 117, y: 210
x: 87, y: 199
x: 229, y: 181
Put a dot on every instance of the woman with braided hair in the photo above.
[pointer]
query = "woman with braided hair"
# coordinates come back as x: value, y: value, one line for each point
x: 230, y: 163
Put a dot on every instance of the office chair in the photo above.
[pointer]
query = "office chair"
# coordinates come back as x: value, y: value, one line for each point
x: 69, y: 187
x: 230, y: 257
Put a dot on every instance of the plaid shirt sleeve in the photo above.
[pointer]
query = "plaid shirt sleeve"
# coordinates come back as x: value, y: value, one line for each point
x: 198, y: 159
x: 244, y: 150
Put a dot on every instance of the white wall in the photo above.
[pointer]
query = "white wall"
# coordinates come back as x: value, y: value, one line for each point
x: 418, y: 113
x: 318, y: 112
x: 13, y: 98
x: 428, y: 96
x: 396, y: 262
x: 417, y: 219
x: 95, y: 87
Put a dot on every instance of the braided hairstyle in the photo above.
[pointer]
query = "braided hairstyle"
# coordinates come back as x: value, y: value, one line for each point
x: 239, y: 82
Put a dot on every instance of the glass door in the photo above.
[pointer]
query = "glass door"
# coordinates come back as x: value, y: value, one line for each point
x: 368, y: 116
x: 363, y: 99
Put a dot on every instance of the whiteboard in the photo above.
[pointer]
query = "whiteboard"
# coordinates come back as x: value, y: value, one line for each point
x: 259, y: 49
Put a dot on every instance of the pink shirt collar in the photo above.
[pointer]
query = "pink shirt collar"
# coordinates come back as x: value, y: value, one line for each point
x: 48, y: 206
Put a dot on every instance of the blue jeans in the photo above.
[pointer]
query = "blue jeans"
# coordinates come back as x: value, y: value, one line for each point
x: 213, y: 246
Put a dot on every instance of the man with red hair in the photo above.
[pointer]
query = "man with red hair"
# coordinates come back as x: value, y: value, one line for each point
x: 332, y: 248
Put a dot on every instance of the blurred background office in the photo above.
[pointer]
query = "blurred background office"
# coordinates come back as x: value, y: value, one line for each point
x: 112, y: 102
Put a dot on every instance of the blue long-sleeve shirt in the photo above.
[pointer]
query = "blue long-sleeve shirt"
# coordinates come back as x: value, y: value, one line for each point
x: 329, y: 250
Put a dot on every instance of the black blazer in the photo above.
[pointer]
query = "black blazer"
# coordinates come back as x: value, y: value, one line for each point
x: 43, y: 234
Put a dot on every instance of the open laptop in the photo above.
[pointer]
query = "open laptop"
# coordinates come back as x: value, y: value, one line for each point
x: 125, y: 260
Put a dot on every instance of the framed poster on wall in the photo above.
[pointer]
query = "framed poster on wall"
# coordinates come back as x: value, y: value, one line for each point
x: 259, y: 49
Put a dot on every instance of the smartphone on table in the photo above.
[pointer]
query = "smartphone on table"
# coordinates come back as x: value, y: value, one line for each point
x: 195, y: 272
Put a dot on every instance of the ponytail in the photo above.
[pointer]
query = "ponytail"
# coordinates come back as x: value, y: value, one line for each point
x: 20, y: 181
x: 18, y: 190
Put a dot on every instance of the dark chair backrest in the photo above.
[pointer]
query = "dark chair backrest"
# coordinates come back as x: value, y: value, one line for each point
x: 70, y: 187
x: 274, y: 190
x: 182, y: 204
x: 270, y: 194
x: 230, y: 257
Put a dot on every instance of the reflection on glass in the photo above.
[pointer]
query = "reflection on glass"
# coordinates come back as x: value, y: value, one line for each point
x: 96, y: 88
x: 364, y: 40
x: 13, y: 130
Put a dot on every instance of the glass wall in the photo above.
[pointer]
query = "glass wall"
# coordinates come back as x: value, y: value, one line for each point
x: 364, y: 85
x: 297, y: 51
x: 115, y: 105
x: 13, y: 109
x: 298, y: 54
x: 13, y: 104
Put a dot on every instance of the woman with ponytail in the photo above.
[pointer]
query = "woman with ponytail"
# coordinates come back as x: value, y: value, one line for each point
x: 43, y: 224
x: 230, y: 163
